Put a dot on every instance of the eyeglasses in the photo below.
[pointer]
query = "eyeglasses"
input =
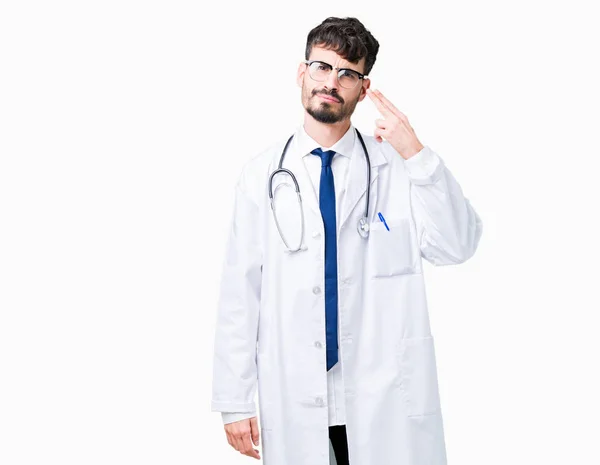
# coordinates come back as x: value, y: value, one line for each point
x: 319, y: 71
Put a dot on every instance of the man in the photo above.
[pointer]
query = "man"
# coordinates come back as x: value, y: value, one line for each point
x: 335, y: 333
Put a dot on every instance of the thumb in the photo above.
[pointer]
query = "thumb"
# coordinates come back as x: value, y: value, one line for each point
x: 254, y: 431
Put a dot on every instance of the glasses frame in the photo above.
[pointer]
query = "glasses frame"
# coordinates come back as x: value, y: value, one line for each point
x: 339, y: 70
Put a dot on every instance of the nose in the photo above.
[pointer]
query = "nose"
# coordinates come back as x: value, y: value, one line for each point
x: 332, y: 81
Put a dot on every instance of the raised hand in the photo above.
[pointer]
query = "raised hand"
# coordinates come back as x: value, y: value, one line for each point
x: 394, y: 127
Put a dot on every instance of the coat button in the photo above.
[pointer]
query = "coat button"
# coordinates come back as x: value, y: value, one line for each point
x: 316, y: 290
x: 316, y: 234
x: 318, y: 344
x: 319, y: 401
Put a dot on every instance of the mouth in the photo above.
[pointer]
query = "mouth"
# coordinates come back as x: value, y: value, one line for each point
x: 329, y: 99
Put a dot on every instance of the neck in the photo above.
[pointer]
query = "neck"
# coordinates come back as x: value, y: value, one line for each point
x: 325, y: 134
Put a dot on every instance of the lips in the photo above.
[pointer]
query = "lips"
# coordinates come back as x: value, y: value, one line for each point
x: 328, y: 98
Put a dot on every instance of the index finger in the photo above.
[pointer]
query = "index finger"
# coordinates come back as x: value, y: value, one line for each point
x: 390, y: 105
x: 383, y: 109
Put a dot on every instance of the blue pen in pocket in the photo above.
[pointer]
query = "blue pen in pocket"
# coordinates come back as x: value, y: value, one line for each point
x: 383, y: 219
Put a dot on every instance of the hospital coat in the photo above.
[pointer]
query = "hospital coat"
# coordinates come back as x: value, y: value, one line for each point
x: 270, y: 327
x: 340, y: 163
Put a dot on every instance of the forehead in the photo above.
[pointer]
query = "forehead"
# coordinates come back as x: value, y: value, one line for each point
x: 331, y: 57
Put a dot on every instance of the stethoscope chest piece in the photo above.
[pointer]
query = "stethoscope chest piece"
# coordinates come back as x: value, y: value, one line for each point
x: 363, y: 227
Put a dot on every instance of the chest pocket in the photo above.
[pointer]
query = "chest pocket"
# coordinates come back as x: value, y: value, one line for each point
x: 392, y: 252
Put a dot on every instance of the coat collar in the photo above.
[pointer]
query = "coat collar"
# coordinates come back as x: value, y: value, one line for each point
x: 349, y: 145
x: 305, y: 143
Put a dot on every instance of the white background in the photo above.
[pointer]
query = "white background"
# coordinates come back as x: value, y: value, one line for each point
x: 123, y: 127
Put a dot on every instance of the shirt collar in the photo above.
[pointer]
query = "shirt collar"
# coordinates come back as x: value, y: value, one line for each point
x: 305, y: 144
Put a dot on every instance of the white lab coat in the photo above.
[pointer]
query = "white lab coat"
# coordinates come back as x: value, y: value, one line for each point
x: 270, y: 329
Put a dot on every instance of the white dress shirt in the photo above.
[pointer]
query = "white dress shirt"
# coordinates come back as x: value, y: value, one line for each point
x: 302, y: 145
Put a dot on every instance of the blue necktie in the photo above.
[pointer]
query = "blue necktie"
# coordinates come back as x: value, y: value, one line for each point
x: 327, y: 205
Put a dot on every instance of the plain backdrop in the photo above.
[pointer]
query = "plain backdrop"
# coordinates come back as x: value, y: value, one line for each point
x: 123, y: 128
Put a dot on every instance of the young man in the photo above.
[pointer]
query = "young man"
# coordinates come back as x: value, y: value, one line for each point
x: 332, y: 325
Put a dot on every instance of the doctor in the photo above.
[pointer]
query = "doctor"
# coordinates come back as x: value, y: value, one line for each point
x: 326, y: 321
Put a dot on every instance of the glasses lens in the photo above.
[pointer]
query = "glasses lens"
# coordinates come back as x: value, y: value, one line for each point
x: 348, y: 79
x: 320, y: 72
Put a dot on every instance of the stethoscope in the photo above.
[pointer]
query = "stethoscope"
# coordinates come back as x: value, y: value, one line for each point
x: 363, y: 224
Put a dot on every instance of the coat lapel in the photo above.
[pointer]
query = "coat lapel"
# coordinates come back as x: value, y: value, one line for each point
x: 293, y: 162
x: 356, y: 180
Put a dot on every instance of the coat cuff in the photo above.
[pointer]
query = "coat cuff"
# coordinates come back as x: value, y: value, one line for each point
x: 230, y: 417
x: 425, y: 167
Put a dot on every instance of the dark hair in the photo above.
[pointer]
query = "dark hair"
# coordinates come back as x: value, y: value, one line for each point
x: 347, y: 37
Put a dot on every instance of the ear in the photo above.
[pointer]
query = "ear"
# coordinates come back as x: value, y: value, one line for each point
x: 300, y: 74
x: 363, y: 89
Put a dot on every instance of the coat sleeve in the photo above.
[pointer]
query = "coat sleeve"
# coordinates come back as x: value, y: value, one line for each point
x: 234, y: 363
x: 448, y: 227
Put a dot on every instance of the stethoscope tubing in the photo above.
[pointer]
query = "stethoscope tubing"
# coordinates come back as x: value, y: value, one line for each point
x: 280, y: 169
